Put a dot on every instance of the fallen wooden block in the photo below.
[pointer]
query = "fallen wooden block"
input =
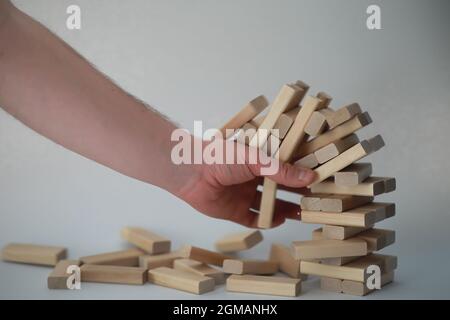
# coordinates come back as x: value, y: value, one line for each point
x: 113, y: 274
x: 239, y: 241
x: 159, y: 260
x: 309, y: 161
x: 246, y: 133
x: 146, y: 240
x: 319, y: 249
x: 343, y: 130
x: 199, y: 268
x: 286, y: 262
x: 57, y: 279
x: 346, y: 158
x: 360, y: 288
x: 235, y: 266
x: 203, y: 255
x: 353, y: 175
x: 340, y: 203
x: 129, y: 257
x: 247, y: 113
x: 33, y: 254
x: 278, y: 286
x: 335, y: 148
x: 370, y: 187
x: 358, y: 217
x: 344, y: 114
x: 340, y: 232
x: 181, y: 280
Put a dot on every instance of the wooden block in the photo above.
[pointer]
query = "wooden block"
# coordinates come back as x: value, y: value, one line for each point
x: 57, y: 279
x: 349, y: 127
x: 335, y: 148
x: 309, y: 161
x: 317, y: 234
x: 319, y: 249
x: 159, y: 260
x: 199, y: 268
x: 284, y: 154
x: 311, y: 202
x: 328, y: 113
x: 377, y: 239
x: 360, y: 288
x: 235, y: 266
x: 181, y: 280
x: 203, y: 255
x: 331, y: 284
x: 340, y: 232
x: 340, y: 203
x: 113, y: 274
x: 358, y: 217
x: 283, y: 124
x: 339, y: 261
x: 33, y: 254
x: 370, y: 187
x: 353, y: 175
x: 344, y: 114
x: 247, y: 113
x: 246, y: 133
x: 316, y: 124
x: 272, y: 146
x: 278, y: 286
x: 288, y: 98
x: 343, y: 160
x: 325, y: 99
x: 286, y: 262
x: 239, y: 241
x: 383, y: 210
x: 355, y: 270
x: 129, y: 257
x: 146, y: 240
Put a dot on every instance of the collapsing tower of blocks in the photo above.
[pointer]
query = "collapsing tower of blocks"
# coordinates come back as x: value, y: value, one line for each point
x: 313, y: 135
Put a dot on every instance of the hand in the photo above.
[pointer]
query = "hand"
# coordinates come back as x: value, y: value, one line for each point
x: 229, y: 191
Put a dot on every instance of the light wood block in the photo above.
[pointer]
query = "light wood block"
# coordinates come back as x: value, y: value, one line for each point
x: 239, y: 241
x: 331, y: 284
x: 57, y: 279
x: 203, y: 255
x: 288, y: 98
x: 335, y: 148
x: 278, y: 286
x: 319, y: 249
x: 311, y: 202
x: 129, y: 257
x: 340, y: 203
x: 283, y: 124
x: 181, y: 280
x: 346, y: 158
x: 113, y: 274
x: 360, y: 288
x: 340, y: 261
x: 370, y: 187
x: 309, y: 161
x: 146, y: 240
x: 377, y: 239
x: 353, y: 175
x: 247, y: 113
x: 383, y: 210
x: 340, y: 232
x: 358, y: 217
x: 33, y: 254
x: 200, y: 268
x: 316, y: 124
x: 325, y: 99
x: 286, y: 262
x: 272, y: 146
x: 159, y: 260
x: 344, y: 114
x: 235, y: 266
x: 284, y: 154
x: 349, y: 127
x: 246, y: 133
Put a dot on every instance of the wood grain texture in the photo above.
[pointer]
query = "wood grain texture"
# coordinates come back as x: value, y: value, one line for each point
x: 181, y: 280
x: 129, y: 257
x: 358, y: 217
x: 278, y: 286
x: 113, y: 274
x: 159, y: 260
x: 33, y: 254
x: 203, y: 255
x: 318, y: 249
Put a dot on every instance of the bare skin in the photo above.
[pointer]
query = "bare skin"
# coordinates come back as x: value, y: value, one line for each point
x: 50, y: 88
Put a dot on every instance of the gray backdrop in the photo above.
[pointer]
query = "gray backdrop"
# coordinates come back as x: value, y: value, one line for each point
x: 202, y: 60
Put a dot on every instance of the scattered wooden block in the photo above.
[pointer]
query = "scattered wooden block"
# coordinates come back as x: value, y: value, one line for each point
x: 199, y: 268
x: 340, y: 232
x: 358, y: 217
x: 288, y: 98
x: 246, y: 133
x: 360, y: 288
x: 335, y: 148
x: 146, y: 240
x: 129, y: 257
x: 181, y: 280
x: 57, y: 279
x: 235, y: 266
x: 311, y: 202
x: 353, y: 175
x: 344, y: 114
x: 33, y: 254
x: 309, y: 161
x: 343, y: 130
x: 340, y: 203
x: 239, y: 241
x: 247, y: 113
x: 159, y: 260
x: 370, y: 187
x: 319, y: 249
x: 113, y: 274
x: 203, y: 255
x: 278, y: 286
x: 286, y: 262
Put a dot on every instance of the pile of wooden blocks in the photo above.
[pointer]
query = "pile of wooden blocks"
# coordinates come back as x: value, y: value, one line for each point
x: 308, y: 133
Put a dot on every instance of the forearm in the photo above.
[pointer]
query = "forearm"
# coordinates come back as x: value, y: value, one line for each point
x: 50, y: 88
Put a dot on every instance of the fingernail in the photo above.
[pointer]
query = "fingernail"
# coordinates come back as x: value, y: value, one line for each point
x: 306, y: 174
